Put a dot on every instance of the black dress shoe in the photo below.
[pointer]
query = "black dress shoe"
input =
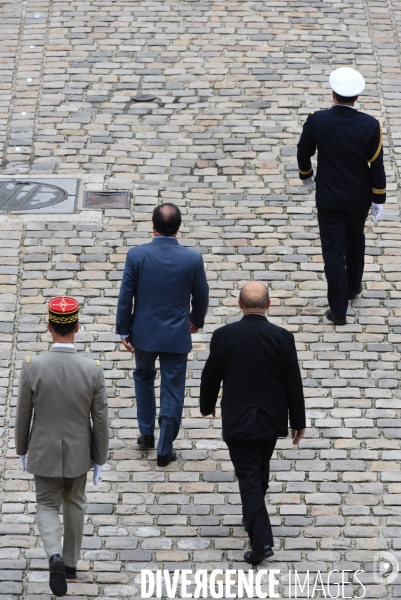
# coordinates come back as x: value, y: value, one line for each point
x: 254, y: 558
x: 147, y: 442
x: 353, y: 296
x: 164, y: 461
x: 71, y: 572
x: 336, y: 319
x: 57, y: 581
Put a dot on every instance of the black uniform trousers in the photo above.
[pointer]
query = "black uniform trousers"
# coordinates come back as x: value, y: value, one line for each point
x: 251, y: 460
x: 343, y: 248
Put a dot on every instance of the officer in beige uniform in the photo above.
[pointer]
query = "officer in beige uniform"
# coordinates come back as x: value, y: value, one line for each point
x: 66, y: 394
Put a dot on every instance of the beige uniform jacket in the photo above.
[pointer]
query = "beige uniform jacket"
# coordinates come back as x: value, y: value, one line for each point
x: 62, y: 389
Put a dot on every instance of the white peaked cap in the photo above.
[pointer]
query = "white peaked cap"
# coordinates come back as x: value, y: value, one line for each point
x: 347, y: 82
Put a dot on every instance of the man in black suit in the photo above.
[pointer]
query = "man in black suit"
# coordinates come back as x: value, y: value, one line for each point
x: 258, y: 365
x: 350, y: 179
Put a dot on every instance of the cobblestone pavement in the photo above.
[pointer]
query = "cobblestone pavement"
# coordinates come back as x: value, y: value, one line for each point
x: 233, y: 82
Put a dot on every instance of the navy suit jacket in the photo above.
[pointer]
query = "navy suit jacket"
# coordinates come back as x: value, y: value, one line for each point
x: 350, y: 172
x: 160, y: 279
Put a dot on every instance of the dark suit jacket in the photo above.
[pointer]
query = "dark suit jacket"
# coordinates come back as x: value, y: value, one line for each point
x: 160, y: 278
x: 258, y: 365
x: 350, y: 172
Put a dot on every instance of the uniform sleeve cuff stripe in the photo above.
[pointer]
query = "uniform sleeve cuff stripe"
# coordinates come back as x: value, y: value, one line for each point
x: 377, y: 191
x: 306, y: 172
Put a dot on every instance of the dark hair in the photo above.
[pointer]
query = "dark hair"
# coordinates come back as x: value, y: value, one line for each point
x: 167, y: 218
x: 345, y: 99
x: 63, y: 329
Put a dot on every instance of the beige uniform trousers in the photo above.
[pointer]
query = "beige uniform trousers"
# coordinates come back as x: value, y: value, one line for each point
x: 51, y: 493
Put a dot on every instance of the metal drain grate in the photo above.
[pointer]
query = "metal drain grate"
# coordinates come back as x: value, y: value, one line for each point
x: 106, y: 199
x: 144, y: 98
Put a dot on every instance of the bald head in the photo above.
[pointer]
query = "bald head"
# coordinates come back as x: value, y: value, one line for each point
x: 166, y: 219
x: 254, y: 297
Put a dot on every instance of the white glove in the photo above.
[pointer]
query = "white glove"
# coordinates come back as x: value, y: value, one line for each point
x: 22, y: 459
x: 376, y: 211
x: 309, y: 183
x: 97, y: 469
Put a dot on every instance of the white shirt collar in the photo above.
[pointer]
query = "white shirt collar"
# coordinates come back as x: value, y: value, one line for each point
x: 347, y: 105
x: 62, y: 345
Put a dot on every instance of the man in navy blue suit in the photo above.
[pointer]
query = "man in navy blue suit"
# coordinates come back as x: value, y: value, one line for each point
x: 167, y: 285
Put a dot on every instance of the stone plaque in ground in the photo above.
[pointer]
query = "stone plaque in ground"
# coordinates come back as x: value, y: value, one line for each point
x: 106, y: 199
x: 28, y: 195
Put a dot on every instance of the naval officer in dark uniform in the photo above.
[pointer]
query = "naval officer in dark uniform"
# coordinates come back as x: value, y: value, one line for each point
x: 350, y: 179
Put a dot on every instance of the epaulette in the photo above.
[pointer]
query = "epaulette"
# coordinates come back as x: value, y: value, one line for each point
x: 377, y: 118
x: 98, y: 363
x: 313, y: 112
x: 28, y: 360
